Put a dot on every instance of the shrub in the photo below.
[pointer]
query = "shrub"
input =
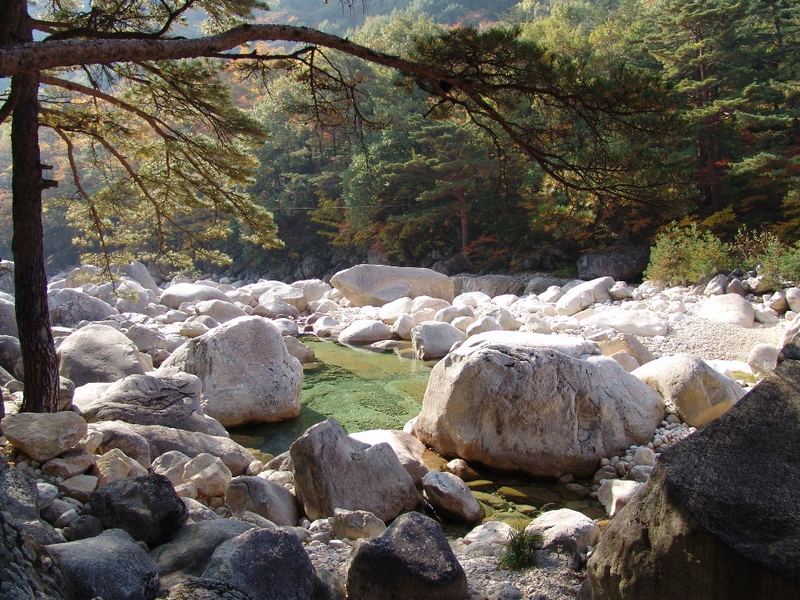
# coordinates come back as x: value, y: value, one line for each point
x: 686, y: 255
x: 520, y: 551
x: 765, y: 253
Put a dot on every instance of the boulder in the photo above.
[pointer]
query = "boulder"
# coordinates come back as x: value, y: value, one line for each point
x: 313, y: 289
x: 262, y: 497
x: 69, y: 464
x: 171, y: 465
x: 635, y: 322
x: 376, y: 285
x: 704, y: 513
x: 332, y: 470
x: 221, y: 311
x: 571, y: 345
x: 163, y: 439
x: 491, y: 285
x: 98, y: 353
x: 433, y: 339
x: 584, y: 295
x: 728, y: 308
x: 43, y: 436
x: 268, y: 564
x: 625, y: 263
x: 356, y: 524
x: 116, y: 434
x: 411, y: 559
x: 11, y: 356
x: 177, y: 294
x: 389, y: 312
x: 248, y: 375
x: 488, y: 539
x: 409, y: 450
x: 8, y: 318
x: 187, y: 554
x: 198, y: 588
x: 115, y: 465
x: 450, y: 496
x: 565, y: 528
x: 614, y: 494
x: 7, y: 276
x: 171, y: 401
x: 365, y: 331
x: 763, y: 358
x: 110, y: 565
x: 69, y: 307
x: 139, y: 273
x: 299, y: 350
x: 629, y: 344
x: 209, y: 475
x: 699, y: 393
x: 534, y: 409
x: 146, y: 507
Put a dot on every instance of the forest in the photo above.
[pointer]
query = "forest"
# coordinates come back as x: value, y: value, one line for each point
x: 352, y: 161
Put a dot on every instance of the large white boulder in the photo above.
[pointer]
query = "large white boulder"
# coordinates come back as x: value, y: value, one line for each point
x: 700, y: 393
x: 376, y: 285
x: 365, y: 331
x: 584, y: 295
x: 728, y: 308
x: 433, y: 339
x: 333, y: 470
x: 635, y: 322
x: 220, y: 310
x: 451, y: 496
x: 313, y: 289
x: 248, y: 375
x: 177, y: 294
x: 98, y: 353
x: 534, y: 409
x: 565, y: 528
x: 390, y: 311
x: 572, y: 345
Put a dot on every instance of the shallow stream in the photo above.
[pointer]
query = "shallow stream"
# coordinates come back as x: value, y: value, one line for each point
x: 364, y: 390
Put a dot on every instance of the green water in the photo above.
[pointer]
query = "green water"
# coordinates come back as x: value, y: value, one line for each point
x: 360, y: 388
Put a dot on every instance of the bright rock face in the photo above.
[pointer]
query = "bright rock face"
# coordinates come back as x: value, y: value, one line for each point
x: 248, y: 375
x: 728, y: 308
x: 43, y: 436
x: 534, y: 409
x: 98, y: 353
x: 376, y: 285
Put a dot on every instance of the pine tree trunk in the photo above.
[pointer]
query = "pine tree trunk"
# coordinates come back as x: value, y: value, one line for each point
x: 30, y: 282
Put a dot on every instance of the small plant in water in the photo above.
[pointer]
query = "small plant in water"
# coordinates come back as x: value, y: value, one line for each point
x: 520, y: 551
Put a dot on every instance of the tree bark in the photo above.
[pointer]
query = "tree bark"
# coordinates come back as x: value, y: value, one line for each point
x: 39, y: 359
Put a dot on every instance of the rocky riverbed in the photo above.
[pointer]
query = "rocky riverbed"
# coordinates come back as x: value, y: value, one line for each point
x: 585, y: 384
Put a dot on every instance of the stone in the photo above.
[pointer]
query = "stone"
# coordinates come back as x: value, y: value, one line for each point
x: 79, y: 487
x: 461, y: 469
x: 69, y: 307
x: 98, y: 353
x: 115, y: 434
x: 356, y: 524
x: 626, y: 263
x: 268, y: 564
x: 248, y: 375
x: 299, y: 350
x: 565, y: 528
x: 11, y: 356
x: 728, y: 308
x: 163, y: 439
x: 146, y: 507
x: 403, y: 326
x: 179, y: 293
x: 364, y: 331
x: 699, y: 393
x: 325, y: 326
x: 411, y: 559
x: 491, y: 285
x: 408, y: 449
x: 389, y: 312
x: 209, y: 474
x: 115, y: 465
x: 187, y: 554
x: 614, y: 494
x: 716, y: 286
x: 635, y: 322
x: 138, y: 272
x: 8, y: 319
x: 534, y: 409
x: 221, y: 311
x: 763, y: 358
x: 644, y: 456
x: 433, y: 339
x: 205, y: 589
x: 85, y: 526
x: 332, y: 470
x: 110, y: 565
x: 43, y: 436
x: 170, y: 400
x: 450, y: 496
x: 171, y: 465
x: 792, y: 295
x: 272, y: 308
x: 706, y: 505
x: 488, y: 539
x: 197, y: 511
x: 270, y: 500
x: 623, y: 342
x: 584, y: 295
x: 377, y: 285
x: 313, y: 289
x: 69, y: 464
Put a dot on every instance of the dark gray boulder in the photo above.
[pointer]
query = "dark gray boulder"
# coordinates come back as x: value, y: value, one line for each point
x: 720, y: 517
x: 410, y: 561
x: 110, y: 565
x: 268, y: 564
x: 146, y: 507
x: 188, y: 553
